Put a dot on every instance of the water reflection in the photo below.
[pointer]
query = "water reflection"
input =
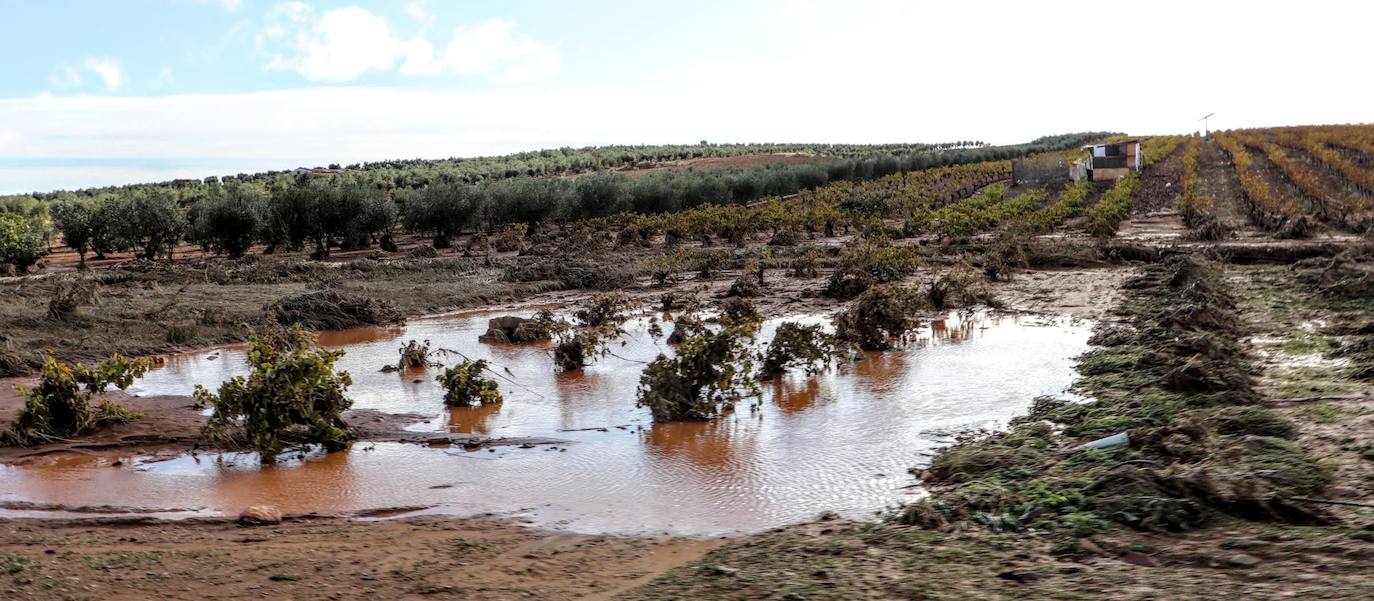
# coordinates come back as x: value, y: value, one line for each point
x: 471, y: 420
x: 840, y: 441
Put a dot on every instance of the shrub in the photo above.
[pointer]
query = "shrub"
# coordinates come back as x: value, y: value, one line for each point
x: 961, y: 285
x: 464, y: 385
x: 711, y: 372
x: 881, y: 318
x: 869, y: 264
x: 807, y: 265
x: 509, y: 238
x: 414, y: 355
x: 60, y: 405
x: 21, y: 241
x: 795, y: 345
x: 750, y: 283
x: 602, y: 309
x: 292, y: 384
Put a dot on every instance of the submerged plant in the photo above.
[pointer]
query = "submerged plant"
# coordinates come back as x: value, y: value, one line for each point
x: 881, y: 318
x: 60, y: 405
x: 795, y: 345
x: 292, y: 385
x: 464, y: 385
x: 711, y: 372
x: 414, y: 355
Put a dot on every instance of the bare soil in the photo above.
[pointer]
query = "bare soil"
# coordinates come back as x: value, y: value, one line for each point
x: 323, y: 558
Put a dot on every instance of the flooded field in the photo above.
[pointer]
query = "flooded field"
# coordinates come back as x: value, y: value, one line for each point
x: 842, y: 441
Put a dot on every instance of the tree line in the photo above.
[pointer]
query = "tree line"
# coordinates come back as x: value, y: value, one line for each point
x: 355, y: 210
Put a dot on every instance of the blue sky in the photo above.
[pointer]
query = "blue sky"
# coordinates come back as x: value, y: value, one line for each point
x: 96, y: 93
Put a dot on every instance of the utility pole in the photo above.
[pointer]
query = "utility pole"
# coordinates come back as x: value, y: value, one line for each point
x: 1204, y: 123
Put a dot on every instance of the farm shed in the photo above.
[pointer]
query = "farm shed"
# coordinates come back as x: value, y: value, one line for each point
x: 1109, y: 161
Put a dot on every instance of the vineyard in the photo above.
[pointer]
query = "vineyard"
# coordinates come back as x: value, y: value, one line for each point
x: 708, y: 296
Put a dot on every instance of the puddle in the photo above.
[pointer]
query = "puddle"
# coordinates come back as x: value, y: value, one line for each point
x: 842, y: 441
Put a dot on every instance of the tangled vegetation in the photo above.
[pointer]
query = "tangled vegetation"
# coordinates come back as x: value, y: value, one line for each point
x: 1181, y: 435
x: 711, y: 372
x: 868, y: 263
x: 794, y: 345
x: 465, y: 385
x: 59, y: 406
x: 292, y: 387
x: 597, y: 324
x: 331, y: 309
x: 414, y: 355
x: 881, y: 318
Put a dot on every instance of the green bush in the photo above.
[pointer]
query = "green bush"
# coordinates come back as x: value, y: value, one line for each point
x: 292, y: 385
x: 21, y: 241
x: 60, y: 405
x: 464, y: 385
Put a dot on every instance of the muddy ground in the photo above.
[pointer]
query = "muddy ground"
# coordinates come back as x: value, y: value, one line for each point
x: 316, y: 557
x: 322, y: 558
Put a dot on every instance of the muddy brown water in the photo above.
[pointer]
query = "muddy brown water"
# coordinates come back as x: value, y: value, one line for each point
x: 842, y: 441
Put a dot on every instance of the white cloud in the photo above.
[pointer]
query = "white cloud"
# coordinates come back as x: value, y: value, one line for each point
x: 231, y: 5
x: 492, y: 46
x: 343, y: 44
x: 108, y: 70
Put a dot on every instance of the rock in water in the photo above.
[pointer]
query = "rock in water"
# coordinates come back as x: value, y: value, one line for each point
x: 260, y: 515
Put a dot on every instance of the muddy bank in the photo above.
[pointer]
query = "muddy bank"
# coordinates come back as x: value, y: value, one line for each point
x: 347, y: 559
x: 172, y: 424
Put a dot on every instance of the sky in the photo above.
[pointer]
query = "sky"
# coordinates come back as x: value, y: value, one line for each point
x: 101, y: 93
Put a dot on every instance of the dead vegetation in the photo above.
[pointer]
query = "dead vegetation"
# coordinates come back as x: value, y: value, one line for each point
x: 331, y: 309
x: 1174, y: 438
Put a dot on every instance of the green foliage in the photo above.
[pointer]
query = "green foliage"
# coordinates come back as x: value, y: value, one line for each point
x: 869, y: 263
x: 881, y: 318
x: 76, y: 220
x: 229, y: 221
x: 795, y: 345
x: 712, y: 371
x: 292, y: 385
x: 21, y: 241
x: 963, y: 219
x: 465, y: 385
x: 60, y: 405
x: 442, y: 211
x: 1105, y: 217
x: 414, y: 355
x: 604, y: 308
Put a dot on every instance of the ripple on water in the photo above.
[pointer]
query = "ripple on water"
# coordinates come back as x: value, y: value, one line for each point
x: 842, y: 441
